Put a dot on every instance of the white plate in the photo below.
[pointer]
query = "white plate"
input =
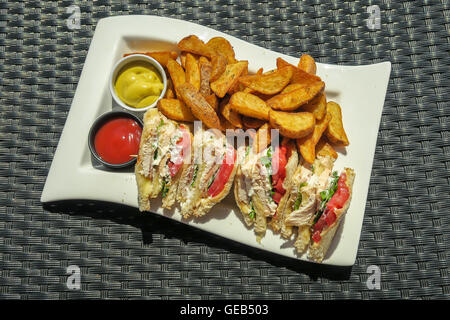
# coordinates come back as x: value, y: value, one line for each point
x: 359, y: 90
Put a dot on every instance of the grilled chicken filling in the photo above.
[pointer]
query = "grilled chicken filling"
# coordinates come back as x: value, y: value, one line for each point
x: 304, y: 199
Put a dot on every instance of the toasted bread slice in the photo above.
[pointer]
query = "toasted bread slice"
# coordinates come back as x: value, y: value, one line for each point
x: 318, y: 250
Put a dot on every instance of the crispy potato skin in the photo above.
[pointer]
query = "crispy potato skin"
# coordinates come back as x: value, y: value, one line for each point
x: 231, y: 115
x: 293, y: 125
x: 205, y: 76
x: 228, y: 78
x: 281, y: 63
x: 262, y: 139
x: 293, y: 100
x: 213, y: 101
x: 251, y: 123
x: 176, y: 73
x: 193, y: 44
x: 317, y: 106
x: 250, y: 105
x: 271, y: 83
x: 222, y: 45
x: 299, y: 75
x: 237, y: 86
x: 200, y: 108
x: 307, y: 64
x: 307, y: 146
x: 335, y: 131
x: 170, y: 94
x: 176, y: 110
x: 292, y: 87
x: 192, y: 71
x: 323, y: 149
x: 219, y: 64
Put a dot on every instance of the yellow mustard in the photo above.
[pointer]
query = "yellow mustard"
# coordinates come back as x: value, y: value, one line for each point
x: 138, y: 84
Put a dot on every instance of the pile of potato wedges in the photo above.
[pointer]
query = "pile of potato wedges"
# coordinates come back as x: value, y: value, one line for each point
x: 208, y: 83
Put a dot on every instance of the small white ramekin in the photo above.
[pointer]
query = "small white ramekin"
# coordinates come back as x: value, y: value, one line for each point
x: 120, y: 64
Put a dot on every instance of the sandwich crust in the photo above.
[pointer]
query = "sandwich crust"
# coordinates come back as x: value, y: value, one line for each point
x: 318, y: 250
x: 244, y: 207
x: 147, y: 188
x: 277, y: 222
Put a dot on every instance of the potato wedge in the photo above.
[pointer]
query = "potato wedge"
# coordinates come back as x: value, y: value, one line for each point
x: 205, y: 76
x: 299, y: 75
x: 238, y: 86
x: 219, y: 63
x: 176, y: 73
x: 262, y: 139
x: 292, y: 87
x: 219, y: 44
x: 183, y: 59
x: 293, y: 125
x: 295, y: 99
x: 260, y: 71
x: 335, y: 131
x: 317, y: 106
x: 193, y: 44
x: 231, y: 115
x: 271, y: 83
x: 176, y: 110
x: 249, y: 105
x: 200, y: 108
x: 307, y: 145
x: 192, y: 71
x: 170, y: 94
x: 251, y: 123
x: 247, y: 90
x: 228, y: 78
x: 213, y: 101
x: 307, y: 64
x: 225, y: 124
x: 303, y: 77
x: 161, y: 56
x: 324, y: 149
x: 281, y: 63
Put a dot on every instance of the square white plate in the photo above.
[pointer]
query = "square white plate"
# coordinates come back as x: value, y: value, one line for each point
x: 359, y: 90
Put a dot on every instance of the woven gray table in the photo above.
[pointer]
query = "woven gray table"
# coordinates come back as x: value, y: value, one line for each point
x: 123, y: 254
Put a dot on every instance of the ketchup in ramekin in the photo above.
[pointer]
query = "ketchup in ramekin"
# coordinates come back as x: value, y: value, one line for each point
x: 114, y: 139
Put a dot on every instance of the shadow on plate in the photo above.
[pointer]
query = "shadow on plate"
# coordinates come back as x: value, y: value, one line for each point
x: 158, y: 224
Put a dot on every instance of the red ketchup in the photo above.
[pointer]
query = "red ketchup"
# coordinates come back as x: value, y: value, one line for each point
x: 118, y: 140
x: 337, y: 201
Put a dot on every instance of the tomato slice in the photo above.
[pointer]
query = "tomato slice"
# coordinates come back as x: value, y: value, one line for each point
x: 224, y: 173
x: 330, y: 218
x: 320, y: 224
x: 279, y: 187
x: 337, y: 201
x: 277, y: 196
x: 341, y: 195
x: 280, y: 156
x: 316, y: 236
x: 278, y: 178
